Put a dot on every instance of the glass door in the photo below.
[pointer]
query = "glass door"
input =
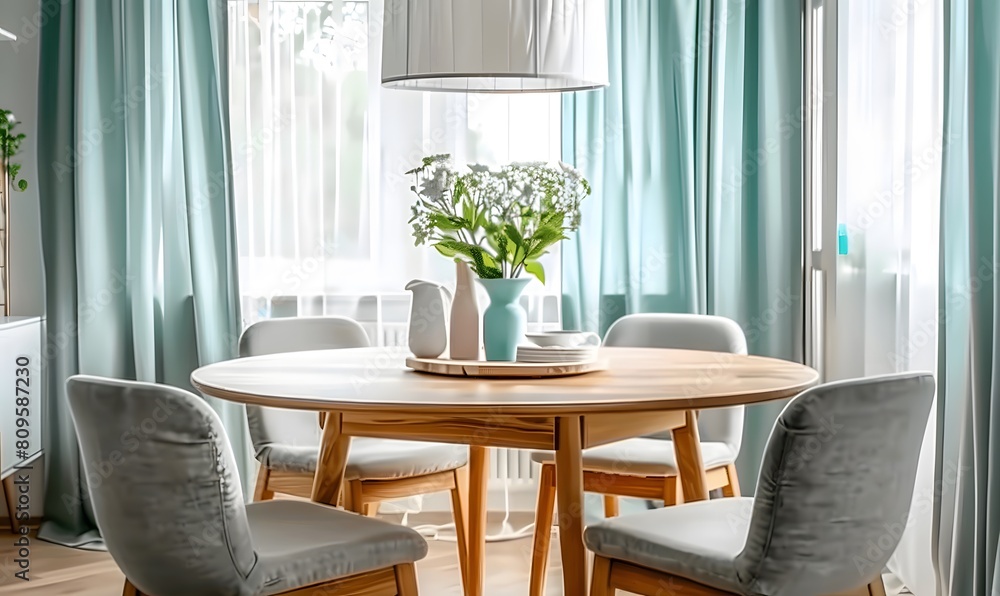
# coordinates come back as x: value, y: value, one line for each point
x: 873, y: 169
x: 873, y: 165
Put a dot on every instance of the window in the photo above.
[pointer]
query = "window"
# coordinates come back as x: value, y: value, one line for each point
x: 319, y: 151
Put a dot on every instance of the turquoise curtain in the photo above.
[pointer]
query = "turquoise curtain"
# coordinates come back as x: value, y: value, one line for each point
x: 137, y: 215
x: 694, y: 152
x: 966, y: 527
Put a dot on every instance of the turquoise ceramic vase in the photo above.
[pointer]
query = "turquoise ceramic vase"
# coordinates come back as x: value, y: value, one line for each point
x: 504, y: 321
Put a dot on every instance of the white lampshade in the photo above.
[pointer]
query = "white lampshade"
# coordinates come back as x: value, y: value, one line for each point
x: 495, y: 46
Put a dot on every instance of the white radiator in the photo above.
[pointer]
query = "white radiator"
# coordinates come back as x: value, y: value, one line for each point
x: 512, y: 465
x: 385, y: 318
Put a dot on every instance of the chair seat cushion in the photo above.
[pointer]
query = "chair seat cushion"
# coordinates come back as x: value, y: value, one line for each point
x: 699, y: 541
x: 643, y: 457
x: 372, y: 459
x: 299, y: 544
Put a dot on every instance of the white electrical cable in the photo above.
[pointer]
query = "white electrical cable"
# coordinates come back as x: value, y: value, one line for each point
x: 507, y: 532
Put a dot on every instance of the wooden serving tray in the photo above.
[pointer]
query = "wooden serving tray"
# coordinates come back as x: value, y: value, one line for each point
x: 515, y: 370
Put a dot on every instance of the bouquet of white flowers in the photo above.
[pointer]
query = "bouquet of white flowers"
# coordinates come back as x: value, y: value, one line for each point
x: 499, y: 221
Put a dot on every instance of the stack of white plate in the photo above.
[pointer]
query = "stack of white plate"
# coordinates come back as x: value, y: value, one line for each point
x: 556, y: 354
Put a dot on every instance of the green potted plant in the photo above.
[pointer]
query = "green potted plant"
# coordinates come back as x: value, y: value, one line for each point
x: 10, y: 145
x: 501, y: 222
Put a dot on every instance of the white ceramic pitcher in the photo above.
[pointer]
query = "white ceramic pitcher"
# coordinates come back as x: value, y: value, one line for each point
x: 429, y: 312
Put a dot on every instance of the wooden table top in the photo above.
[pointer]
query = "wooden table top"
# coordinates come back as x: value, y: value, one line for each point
x: 638, y: 379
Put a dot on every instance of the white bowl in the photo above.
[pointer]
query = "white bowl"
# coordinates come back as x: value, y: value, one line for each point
x: 563, y: 339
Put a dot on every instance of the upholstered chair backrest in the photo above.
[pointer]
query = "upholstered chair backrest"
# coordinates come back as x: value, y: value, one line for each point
x: 300, y: 334
x: 164, y: 487
x: 689, y: 332
x: 835, y: 485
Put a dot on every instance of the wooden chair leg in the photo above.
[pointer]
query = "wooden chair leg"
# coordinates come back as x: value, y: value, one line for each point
x: 11, y: 497
x: 261, y: 492
x: 544, y: 510
x: 370, y: 509
x: 610, y: 506
x: 733, y: 488
x: 600, y: 583
x: 406, y: 580
x: 354, y: 497
x: 672, y: 492
x: 130, y: 590
x: 876, y: 588
x: 460, y: 513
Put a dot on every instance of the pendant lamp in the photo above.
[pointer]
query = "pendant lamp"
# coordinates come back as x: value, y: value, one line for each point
x: 494, y: 46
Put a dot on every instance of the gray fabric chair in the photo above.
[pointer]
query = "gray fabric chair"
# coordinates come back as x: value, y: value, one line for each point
x: 832, y: 500
x: 168, y: 501
x: 287, y: 441
x: 646, y: 467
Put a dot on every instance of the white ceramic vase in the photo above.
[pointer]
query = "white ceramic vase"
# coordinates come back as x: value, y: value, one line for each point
x: 465, y: 321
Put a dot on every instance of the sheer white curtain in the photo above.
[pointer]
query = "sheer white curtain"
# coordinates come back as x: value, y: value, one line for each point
x: 320, y: 149
x: 890, y: 143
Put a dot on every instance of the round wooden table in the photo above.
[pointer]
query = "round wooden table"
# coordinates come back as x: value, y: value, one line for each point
x: 370, y: 393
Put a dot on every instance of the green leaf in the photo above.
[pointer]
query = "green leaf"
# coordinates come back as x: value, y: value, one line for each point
x: 481, y: 260
x: 488, y: 259
x: 446, y: 222
x: 22, y: 185
x: 457, y: 246
x: 517, y: 248
x: 499, y: 242
x: 542, y: 239
x: 469, y: 213
x: 490, y: 273
x: 459, y: 192
x: 514, y: 234
x: 445, y: 250
x: 535, y: 268
x: 554, y: 219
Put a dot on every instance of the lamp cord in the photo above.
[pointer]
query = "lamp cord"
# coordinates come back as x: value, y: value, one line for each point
x: 507, y: 531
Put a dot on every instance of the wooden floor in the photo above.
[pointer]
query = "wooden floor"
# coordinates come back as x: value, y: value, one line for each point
x: 57, y: 570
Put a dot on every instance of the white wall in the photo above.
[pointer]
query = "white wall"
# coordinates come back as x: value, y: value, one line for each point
x: 19, y: 93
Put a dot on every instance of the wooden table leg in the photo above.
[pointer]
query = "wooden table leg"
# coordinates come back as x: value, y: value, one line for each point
x: 329, y: 478
x: 687, y: 447
x: 479, y: 461
x: 569, y: 497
